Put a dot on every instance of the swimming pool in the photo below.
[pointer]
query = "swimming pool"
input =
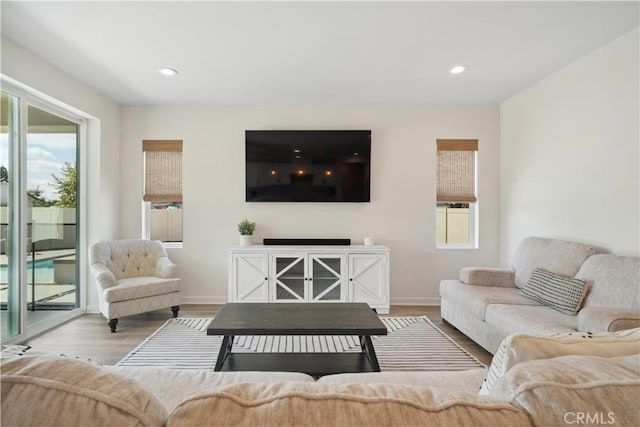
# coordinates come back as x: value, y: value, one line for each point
x: 44, y: 272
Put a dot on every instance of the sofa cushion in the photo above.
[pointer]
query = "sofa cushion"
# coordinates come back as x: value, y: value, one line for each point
x: 613, y: 281
x: 53, y: 390
x: 565, y: 294
x: 475, y: 299
x: 467, y: 381
x: 575, y: 390
x: 553, y: 255
x: 519, y: 348
x: 509, y: 319
x: 141, y: 287
x: 306, y: 404
x: 171, y: 386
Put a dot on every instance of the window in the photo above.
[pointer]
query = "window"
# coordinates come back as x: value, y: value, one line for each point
x: 162, y: 197
x: 456, y: 201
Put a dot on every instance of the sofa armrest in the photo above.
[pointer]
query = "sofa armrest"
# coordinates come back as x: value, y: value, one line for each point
x: 166, y: 269
x: 103, y: 275
x: 483, y: 276
x: 607, y: 319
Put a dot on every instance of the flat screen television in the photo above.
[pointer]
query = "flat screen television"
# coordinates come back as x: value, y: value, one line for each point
x: 308, y: 165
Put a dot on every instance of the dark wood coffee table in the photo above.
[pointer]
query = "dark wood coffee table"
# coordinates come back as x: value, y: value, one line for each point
x: 297, y: 319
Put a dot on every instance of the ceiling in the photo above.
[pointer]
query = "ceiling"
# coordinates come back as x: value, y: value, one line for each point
x: 287, y: 53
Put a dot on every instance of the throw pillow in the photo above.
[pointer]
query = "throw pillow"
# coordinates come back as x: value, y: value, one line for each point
x: 519, y: 348
x: 565, y: 294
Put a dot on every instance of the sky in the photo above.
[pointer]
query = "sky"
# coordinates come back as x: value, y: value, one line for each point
x: 46, y: 154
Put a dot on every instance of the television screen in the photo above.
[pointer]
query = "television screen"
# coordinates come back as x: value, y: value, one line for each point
x: 307, y: 166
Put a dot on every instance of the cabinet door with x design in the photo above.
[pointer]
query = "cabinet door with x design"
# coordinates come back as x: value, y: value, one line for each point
x: 369, y: 280
x: 308, y: 277
x: 249, y: 277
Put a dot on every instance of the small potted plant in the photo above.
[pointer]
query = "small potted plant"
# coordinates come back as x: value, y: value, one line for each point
x: 246, y: 228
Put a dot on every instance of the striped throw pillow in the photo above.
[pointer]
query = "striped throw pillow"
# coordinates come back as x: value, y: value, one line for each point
x: 563, y: 293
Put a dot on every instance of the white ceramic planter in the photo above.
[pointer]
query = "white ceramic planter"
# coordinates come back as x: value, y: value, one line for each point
x: 246, y: 240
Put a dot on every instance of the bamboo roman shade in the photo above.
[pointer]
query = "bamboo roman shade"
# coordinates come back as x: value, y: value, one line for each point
x: 162, y: 171
x: 456, y: 180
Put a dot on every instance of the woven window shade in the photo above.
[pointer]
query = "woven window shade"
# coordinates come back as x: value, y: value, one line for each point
x: 162, y: 171
x: 456, y: 170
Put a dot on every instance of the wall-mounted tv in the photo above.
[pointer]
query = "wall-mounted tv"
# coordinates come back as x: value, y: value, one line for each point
x: 308, y: 165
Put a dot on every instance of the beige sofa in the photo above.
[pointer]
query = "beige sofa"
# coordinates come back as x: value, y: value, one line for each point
x: 487, y: 304
x: 44, y: 390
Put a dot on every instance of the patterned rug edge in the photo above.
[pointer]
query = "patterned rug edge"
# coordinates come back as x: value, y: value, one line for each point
x: 445, y: 335
x: 203, y: 321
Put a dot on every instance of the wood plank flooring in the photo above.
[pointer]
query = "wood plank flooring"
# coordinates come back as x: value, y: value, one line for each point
x: 89, y: 337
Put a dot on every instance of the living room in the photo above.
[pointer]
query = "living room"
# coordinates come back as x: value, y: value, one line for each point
x: 557, y: 143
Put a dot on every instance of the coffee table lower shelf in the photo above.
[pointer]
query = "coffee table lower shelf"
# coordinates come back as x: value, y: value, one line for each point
x: 314, y: 364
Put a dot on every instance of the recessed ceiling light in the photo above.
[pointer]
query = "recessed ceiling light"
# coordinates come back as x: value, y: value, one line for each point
x: 168, y: 71
x: 457, y: 69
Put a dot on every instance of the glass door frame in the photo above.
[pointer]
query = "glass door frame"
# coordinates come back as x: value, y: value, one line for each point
x: 16, y: 233
x: 25, y: 97
x: 294, y: 260
x: 338, y: 277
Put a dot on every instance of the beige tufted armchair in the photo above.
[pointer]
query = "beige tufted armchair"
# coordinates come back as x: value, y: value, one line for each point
x: 133, y: 276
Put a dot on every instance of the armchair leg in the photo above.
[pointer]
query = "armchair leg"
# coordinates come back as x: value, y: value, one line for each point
x: 112, y: 324
x: 175, y: 310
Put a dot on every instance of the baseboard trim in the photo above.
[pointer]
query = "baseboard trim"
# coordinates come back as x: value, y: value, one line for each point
x: 415, y: 301
x: 394, y: 301
x: 94, y: 309
x: 204, y: 300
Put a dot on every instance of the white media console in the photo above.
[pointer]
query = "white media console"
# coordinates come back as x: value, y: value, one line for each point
x: 271, y: 273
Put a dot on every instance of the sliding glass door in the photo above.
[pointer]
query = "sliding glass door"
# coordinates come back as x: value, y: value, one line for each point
x: 39, y: 274
x: 10, y: 271
x: 52, y: 194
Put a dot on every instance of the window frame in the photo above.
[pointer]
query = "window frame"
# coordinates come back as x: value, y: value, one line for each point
x: 146, y: 205
x: 146, y: 228
x: 473, y: 232
x: 473, y: 215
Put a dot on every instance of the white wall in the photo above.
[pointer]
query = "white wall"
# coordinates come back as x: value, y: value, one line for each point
x: 402, y: 209
x: 570, y: 154
x: 569, y: 169
x: 103, y: 130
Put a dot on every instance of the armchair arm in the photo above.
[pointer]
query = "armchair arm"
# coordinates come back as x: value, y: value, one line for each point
x: 103, y: 275
x: 607, y: 319
x: 165, y: 268
x: 483, y: 276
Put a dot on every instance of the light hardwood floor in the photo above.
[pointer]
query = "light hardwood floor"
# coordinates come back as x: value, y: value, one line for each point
x: 89, y: 337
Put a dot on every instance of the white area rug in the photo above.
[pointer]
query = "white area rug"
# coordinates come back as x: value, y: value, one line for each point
x: 413, y: 344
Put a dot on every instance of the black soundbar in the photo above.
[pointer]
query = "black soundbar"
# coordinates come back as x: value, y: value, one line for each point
x: 303, y: 241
